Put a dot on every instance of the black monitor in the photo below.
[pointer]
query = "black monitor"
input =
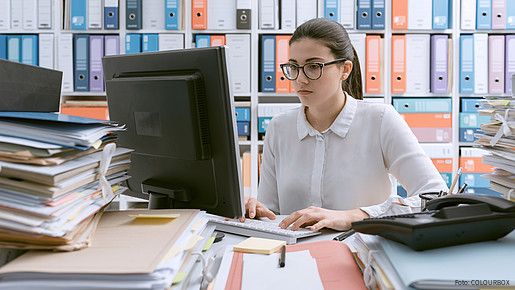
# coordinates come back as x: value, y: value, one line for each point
x: 178, y: 109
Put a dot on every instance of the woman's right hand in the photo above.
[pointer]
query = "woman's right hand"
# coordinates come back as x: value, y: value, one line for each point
x: 255, y: 209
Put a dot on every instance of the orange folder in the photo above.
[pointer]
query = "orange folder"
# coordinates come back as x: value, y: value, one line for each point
x: 217, y: 40
x: 99, y: 112
x: 400, y: 14
x: 428, y: 120
x: 199, y: 14
x: 373, y: 83
x: 335, y: 263
x: 474, y: 165
x: 282, y: 54
x: 442, y: 164
x: 398, y: 74
x: 246, y: 172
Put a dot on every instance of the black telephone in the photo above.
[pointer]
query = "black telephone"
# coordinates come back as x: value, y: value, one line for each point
x: 446, y: 221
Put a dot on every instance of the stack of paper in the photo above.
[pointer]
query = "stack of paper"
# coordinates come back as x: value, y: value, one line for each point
x: 129, y: 251
x: 498, y: 137
x: 56, y: 174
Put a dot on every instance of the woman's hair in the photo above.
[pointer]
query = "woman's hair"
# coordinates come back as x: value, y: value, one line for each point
x: 335, y: 37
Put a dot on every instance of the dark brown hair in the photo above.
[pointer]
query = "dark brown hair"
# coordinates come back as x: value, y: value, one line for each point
x: 336, y: 38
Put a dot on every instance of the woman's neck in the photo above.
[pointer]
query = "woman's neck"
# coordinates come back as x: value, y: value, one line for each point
x: 321, y: 117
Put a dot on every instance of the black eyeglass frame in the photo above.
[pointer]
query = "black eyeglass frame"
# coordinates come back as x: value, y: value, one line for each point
x: 320, y: 64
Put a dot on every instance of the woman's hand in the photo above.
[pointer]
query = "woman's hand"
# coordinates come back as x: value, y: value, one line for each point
x: 316, y: 218
x: 255, y: 209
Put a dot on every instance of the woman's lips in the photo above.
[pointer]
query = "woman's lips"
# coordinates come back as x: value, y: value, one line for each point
x: 304, y: 92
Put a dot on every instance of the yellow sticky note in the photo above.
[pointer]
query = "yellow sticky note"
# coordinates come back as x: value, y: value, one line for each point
x: 178, y: 278
x: 155, y: 216
x: 192, y: 242
x: 259, y: 246
x: 97, y: 144
x: 208, y: 243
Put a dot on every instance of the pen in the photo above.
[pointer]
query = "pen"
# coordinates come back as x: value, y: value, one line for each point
x: 462, y: 189
x: 454, y: 180
x: 282, y: 257
x: 344, y: 235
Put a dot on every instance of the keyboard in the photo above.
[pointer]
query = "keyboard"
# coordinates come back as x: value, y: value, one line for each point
x: 260, y: 229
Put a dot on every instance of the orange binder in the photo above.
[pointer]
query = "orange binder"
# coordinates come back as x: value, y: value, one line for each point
x: 335, y: 263
x: 428, y: 120
x: 217, y: 40
x: 373, y: 83
x: 100, y: 112
x: 398, y: 74
x: 442, y: 164
x: 400, y: 14
x: 474, y: 165
x: 199, y: 14
x: 282, y: 54
x: 246, y: 172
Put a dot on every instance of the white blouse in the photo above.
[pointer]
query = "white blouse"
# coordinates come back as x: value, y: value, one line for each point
x: 348, y: 165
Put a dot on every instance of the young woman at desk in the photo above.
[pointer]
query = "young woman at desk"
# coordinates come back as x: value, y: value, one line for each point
x: 327, y: 163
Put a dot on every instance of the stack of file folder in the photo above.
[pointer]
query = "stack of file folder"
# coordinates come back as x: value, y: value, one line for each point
x: 498, y: 137
x: 57, y: 173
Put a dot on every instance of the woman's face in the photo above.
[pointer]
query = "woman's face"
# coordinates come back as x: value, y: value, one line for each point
x: 325, y: 89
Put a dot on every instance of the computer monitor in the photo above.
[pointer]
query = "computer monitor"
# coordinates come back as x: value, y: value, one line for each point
x: 179, y: 113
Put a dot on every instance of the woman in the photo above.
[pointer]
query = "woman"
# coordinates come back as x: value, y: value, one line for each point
x: 327, y: 164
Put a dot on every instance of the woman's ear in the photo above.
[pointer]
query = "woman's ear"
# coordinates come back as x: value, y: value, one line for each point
x: 346, y: 69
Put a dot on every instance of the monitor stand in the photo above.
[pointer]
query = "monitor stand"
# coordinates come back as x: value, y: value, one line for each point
x: 163, y: 196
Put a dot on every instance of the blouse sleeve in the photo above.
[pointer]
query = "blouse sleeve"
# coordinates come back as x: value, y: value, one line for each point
x: 267, y: 191
x: 404, y: 159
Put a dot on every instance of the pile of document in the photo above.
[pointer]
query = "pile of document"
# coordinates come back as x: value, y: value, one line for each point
x: 498, y: 137
x: 390, y: 265
x: 137, y: 249
x: 57, y: 173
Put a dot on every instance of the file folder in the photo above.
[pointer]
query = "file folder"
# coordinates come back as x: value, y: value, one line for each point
x: 496, y: 64
x: 111, y: 8
x: 96, y: 79
x: 3, y: 47
x: 510, y: 14
x: 78, y: 14
x: 132, y: 43
x: 30, y: 14
x: 244, y: 14
x: 150, y: 42
x: 466, y: 64
x: 378, y: 14
x: 282, y: 84
x: 29, y: 49
x: 484, y: 14
x: 418, y: 64
x: 481, y: 61
x: 199, y: 14
x: 65, y: 61
x: 347, y: 13
x: 111, y: 45
x: 419, y: 16
x: 268, y: 63
x: 398, y: 75
x: 268, y: 14
x: 14, y: 48
x: 510, y: 63
x: 399, y: 14
x: 472, y: 120
x: 422, y: 105
x: 364, y: 12
x: 238, y: 46
x: 288, y: 14
x: 439, y: 64
x: 171, y: 41
x: 332, y: 10
x: 498, y: 14
x: 5, y: 15
x: 373, y: 63
x: 81, y: 62
x: 359, y: 41
x: 306, y: 10
x: 470, y: 105
x: 152, y: 14
x: 468, y: 14
x: 202, y: 40
x: 428, y: 120
x: 242, y: 114
x: 217, y: 40
x: 44, y: 14
x: 441, y: 14
x: 172, y: 11
x: 94, y: 14
x: 16, y: 14
x: 133, y: 12
x: 222, y: 15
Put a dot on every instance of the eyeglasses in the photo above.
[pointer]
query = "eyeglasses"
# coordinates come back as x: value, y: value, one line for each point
x: 312, y: 70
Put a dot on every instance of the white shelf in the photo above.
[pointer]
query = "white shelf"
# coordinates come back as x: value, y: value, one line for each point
x: 493, y: 31
x: 244, y: 143
x: 435, y: 31
x: 83, y: 94
x: 92, y: 31
x: 241, y: 31
x: 35, y: 31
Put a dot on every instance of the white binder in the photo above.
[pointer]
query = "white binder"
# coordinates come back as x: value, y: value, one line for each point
x: 238, y: 50
x: 288, y: 14
x: 153, y: 14
x: 306, y: 10
x: 45, y: 14
x: 65, y: 61
x: 95, y: 14
x: 418, y: 67
x: 5, y: 14
x: 481, y: 63
x: 420, y: 14
x: 468, y: 14
x: 268, y: 14
x: 16, y: 14
x: 221, y: 15
x: 347, y: 13
x: 46, y: 50
x: 359, y: 43
x: 30, y: 14
x: 171, y: 41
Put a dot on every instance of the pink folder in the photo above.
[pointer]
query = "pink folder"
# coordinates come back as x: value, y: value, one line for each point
x: 495, y: 64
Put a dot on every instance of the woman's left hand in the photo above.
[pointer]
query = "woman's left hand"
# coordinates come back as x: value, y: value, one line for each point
x: 316, y: 218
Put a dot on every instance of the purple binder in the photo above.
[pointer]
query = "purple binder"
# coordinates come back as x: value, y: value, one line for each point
x: 496, y: 64
x: 96, y: 52
x: 510, y: 62
x: 439, y: 64
x: 112, y: 45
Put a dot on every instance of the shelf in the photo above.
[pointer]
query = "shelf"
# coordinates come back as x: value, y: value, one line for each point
x: 151, y: 31
x: 431, y: 31
x: 496, y: 31
x: 279, y: 99
x: 92, y: 31
x: 244, y: 143
x: 83, y: 94
x: 242, y: 31
x: 468, y: 144
x: 429, y: 95
x: 35, y: 31
x: 484, y: 95
x: 260, y: 143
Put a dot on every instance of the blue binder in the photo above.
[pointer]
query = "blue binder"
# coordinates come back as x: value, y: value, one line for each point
x: 510, y: 14
x: 14, y: 48
x: 111, y: 15
x: 467, y: 64
x: 3, y: 47
x: 332, y: 10
x: 263, y: 124
x: 472, y: 120
x: 243, y: 129
x: 133, y: 14
x: 484, y: 14
x: 363, y: 14
x: 78, y: 14
x: 482, y: 191
x: 467, y: 134
x: 422, y: 105
x: 469, y: 105
x: 378, y: 14
x: 202, y: 40
x: 172, y: 14
x: 474, y: 180
x: 29, y: 49
x: 441, y: 14
x: 132, y: 43
x: 243, y: 114
x: 268, y: 63
x: 150, y: 42
x: 81, y: 62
